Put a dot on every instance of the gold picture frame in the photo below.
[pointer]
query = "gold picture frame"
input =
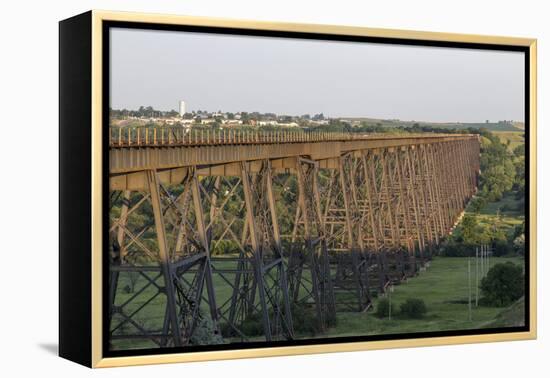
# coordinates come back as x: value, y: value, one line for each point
x: 92, y: 25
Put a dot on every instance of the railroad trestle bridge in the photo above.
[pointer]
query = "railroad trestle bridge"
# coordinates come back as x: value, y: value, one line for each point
x: 241, y: 228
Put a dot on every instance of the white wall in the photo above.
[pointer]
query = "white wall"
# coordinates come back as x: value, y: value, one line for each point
x: 28, y: 289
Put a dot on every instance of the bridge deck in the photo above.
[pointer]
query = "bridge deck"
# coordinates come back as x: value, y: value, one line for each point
x: 136, y: 153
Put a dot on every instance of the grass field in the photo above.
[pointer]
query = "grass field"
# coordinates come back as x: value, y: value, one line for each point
x: 515, y: 137
x: 444, y: 288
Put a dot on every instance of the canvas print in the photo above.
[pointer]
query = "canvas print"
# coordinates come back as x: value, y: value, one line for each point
x: 268, y: 190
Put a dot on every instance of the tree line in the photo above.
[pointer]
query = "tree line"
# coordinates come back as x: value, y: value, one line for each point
x: 501, y: 186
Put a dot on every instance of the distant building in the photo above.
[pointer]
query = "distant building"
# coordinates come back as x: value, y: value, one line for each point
x: 288, y: 124
x: 182, y: 108
x: 267, y: 123
x: 230, y: 122
x: 206, y: 121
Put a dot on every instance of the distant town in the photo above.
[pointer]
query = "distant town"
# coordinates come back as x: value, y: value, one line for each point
x: 148, y: 116
x: 214, y: 118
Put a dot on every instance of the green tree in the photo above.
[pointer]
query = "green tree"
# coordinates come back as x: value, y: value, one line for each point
x: 519, y: 151
x: 468, y: 229
x: 504, y: 284
x: 519, y: 179
x: 245, y: 117
x: 477, y: 204
x: 497, y: 168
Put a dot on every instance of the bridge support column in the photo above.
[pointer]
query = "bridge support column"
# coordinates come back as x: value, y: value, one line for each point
x: 270, y: 275
x: 309, y: 250
x: 342, y: 218
x: 171, y: 311
x: 380, y: 233
x: 414, y: 194
x: 396, y: 220
x: 425, y: 222
x: 155, y: 268
x: 406, y: 199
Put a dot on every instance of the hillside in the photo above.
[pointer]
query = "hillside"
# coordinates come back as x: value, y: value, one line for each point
x: 513, y: 316
x: 491, y: 126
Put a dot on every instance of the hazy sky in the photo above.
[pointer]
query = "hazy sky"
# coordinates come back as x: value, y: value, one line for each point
x: 292, y: 76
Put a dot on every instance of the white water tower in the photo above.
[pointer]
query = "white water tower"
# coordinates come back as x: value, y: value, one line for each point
x: 182, y: 108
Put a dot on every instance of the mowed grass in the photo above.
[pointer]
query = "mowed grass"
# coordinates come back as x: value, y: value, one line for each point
x: 515, y: 137
x: 444, y: 288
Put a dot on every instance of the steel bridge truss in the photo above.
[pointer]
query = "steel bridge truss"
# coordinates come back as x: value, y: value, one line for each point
x: 206, y: 244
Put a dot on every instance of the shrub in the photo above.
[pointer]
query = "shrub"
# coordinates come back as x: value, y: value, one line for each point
x: 252, y: 325
x: 205, y: 333
x: 504, y: 284
x: 519, y: 230
x: 304, y: 320
x: 383, y: 308
x: 454, y: 249
x: 502, y: 247
x: 413, y: 308
x: 519, y: 245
